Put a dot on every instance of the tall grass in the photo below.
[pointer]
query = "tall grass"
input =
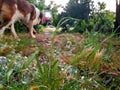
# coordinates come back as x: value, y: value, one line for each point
x: 82, y: 72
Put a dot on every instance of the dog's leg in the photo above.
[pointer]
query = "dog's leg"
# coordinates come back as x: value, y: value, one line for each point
x: 2, y: 30
x: 13, y: 31
x: 31, y: 29
x: 31, y: 32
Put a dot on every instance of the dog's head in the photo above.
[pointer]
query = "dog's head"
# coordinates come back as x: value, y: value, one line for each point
x: 39, y: 16
x: 37, y: 19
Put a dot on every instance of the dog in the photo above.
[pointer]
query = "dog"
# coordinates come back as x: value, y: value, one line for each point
x: 12, y: 11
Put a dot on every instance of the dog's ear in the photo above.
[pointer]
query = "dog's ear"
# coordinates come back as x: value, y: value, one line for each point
x: 33, y: 13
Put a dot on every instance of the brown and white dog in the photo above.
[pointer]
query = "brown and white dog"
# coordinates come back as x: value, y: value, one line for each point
x: 15, y: 10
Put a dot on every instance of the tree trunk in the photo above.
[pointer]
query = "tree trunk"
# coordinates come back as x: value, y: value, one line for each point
x: 117, y: 22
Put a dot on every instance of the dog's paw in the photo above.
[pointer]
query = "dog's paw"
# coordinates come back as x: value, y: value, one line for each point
x: 33, y: 36
x: 1, y: 32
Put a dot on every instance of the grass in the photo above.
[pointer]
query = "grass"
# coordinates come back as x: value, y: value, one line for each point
x: 73, y: 62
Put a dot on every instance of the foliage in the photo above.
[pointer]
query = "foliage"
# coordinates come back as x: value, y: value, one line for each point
x: 79, y: 9
x: 80, y: 27
x: 39, y: 3
x: 71, y: 10
x: 101, y: 20
x: 20, y: 27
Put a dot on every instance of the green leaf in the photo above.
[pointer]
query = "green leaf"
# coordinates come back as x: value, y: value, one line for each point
x: 9, y: 74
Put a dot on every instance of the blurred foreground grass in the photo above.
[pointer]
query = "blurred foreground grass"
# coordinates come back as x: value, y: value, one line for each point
x: 75, y: 62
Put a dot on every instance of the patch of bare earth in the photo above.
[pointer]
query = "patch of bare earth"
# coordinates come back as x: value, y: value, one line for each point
x: 64, y: 45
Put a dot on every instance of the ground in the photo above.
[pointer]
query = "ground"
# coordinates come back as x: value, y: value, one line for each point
x: 65, y: 47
